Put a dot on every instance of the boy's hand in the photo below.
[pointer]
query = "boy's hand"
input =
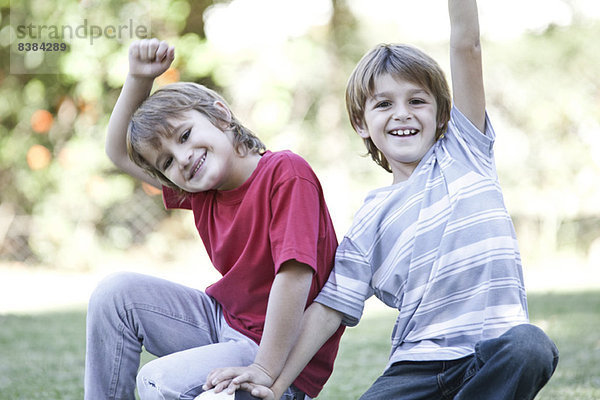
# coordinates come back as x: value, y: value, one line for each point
x: 259, y: 391
x: 149, y: 58
x: 233, y: 378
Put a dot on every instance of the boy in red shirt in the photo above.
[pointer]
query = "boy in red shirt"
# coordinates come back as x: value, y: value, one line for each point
x: 263, y: 220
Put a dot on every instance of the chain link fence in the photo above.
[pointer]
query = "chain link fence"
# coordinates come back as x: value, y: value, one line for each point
x: 123, y: 225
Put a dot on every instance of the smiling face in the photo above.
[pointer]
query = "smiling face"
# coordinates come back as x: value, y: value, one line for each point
x: 400, y: 119
x: 199, y: 156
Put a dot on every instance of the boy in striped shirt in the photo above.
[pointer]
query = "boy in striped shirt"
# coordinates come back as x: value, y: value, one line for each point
x: 438, y: 244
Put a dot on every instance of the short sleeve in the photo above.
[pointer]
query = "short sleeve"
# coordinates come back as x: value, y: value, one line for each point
x: 483, y: 142
x: 174, y: 199
x: 294, y: 227
x: 349, y: 284
x: 464, y: 142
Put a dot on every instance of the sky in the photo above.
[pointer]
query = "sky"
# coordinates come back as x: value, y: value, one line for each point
x: 425, y: 20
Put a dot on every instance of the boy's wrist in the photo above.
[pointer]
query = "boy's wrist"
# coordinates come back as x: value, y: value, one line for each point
x: 278, y: 390
x: 264, y: 370
x: 141, y: 79
x: 139, y: 84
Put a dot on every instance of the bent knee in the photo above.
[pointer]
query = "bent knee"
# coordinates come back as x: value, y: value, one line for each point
x: 118, y: 282
x: 159, y: 380
x: 111, y: 289
x: 149, y: 382
x: 530, y: 345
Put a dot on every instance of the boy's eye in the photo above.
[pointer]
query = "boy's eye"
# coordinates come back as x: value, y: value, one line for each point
x: 382, y: 104
x: 167, y: 163
x: 185, y: 135
x: 417, y: 101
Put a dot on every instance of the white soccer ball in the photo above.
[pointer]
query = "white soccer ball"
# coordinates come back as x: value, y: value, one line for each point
x: 211, y: 395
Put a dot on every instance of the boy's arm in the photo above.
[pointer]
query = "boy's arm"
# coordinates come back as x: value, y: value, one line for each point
x: 283, y: 320
x: 147, y: 60
x: 465, y: 61
x: 318, y: 324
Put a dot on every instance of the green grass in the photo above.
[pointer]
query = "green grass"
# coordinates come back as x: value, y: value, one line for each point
x: 573, y: 322
x: 42, y: 356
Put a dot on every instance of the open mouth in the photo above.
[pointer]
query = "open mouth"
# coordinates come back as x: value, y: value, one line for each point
x: 198, y: 165
x: 403, y: 132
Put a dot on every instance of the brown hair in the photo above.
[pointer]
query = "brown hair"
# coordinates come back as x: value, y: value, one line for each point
x: 406, y: 62
x: 156, y: 115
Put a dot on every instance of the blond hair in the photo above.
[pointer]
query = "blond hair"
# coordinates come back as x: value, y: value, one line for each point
x: 156, y: 116
x: 407, y: 63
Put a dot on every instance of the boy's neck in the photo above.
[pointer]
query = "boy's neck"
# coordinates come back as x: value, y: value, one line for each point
x: 244, y: 168
x: 403, y: 172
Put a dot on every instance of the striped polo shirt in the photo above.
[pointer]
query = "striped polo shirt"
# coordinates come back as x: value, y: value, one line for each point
x: 440, y: 247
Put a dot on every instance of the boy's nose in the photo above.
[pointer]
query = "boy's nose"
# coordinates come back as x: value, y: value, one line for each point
x: 401, y: 114
x: 183, y: 158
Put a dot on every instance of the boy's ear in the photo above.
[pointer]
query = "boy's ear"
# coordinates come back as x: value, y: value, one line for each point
x: 226, y: 113
x: 361, y: 129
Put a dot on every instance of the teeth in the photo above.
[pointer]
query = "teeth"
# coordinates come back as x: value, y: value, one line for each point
x: 199, y: 165
x: 405, y: 132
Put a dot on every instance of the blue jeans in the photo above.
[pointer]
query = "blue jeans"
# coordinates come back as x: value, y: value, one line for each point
x: 514, y: 366
x: 183, y: 326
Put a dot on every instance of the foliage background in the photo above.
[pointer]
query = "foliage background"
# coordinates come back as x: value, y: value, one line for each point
x: 283, y: 67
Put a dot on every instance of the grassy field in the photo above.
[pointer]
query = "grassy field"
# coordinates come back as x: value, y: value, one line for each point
x: 42, y: 356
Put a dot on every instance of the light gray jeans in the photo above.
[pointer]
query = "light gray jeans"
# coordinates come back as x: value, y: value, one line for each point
x: 182, y: 326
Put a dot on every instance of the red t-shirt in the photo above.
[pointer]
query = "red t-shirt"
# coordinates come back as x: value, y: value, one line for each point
x: 278, y: 214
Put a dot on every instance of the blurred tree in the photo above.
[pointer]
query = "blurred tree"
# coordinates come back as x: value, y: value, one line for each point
x: 60, y: 195
x: 545, y: 90
x: 284, y: 71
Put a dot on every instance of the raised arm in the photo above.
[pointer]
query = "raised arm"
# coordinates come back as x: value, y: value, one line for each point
x: 147, y: 60
x: 465, y: 61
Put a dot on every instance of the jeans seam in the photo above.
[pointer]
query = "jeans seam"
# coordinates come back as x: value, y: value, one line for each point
x: 165, y: 313
x: 450, y: 391
x: 114, y: 382
x: 447, y: 392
